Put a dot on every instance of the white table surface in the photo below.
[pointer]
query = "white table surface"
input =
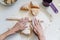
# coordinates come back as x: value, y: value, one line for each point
x: 51, y: 28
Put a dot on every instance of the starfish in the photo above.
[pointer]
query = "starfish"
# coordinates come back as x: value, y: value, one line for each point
x: 33, y: 9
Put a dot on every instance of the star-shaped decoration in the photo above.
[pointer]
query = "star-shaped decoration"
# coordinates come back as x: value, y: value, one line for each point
x: 33, y: 9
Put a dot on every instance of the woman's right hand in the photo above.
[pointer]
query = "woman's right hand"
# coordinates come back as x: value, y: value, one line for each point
x: 37, y: 28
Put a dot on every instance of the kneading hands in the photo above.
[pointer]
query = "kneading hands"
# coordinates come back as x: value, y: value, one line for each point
x: 20, y: 25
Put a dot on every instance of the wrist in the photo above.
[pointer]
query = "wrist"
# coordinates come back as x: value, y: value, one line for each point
x: 41, y: 36
x: 11, y: 31
x: 8, y: 32
x: 40, y: 33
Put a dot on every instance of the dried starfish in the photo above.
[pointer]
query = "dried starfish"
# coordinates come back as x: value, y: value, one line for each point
x: 33, y: 9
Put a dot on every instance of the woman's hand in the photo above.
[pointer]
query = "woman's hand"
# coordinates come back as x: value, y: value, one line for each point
x: 20, y: 25
x: 37, y: 28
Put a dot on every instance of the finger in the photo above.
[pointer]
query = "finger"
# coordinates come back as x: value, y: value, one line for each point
x: 35, y: 28
x: 25, y: 20
x: 21, y: 20
x: 36, y: 22
x: 22, y: 24
x: 35, y: 31
x: 33, y: 24
x: 22, y: 28
x: 31, y: 27
x: 17, y: 24
x: 39, y: 23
